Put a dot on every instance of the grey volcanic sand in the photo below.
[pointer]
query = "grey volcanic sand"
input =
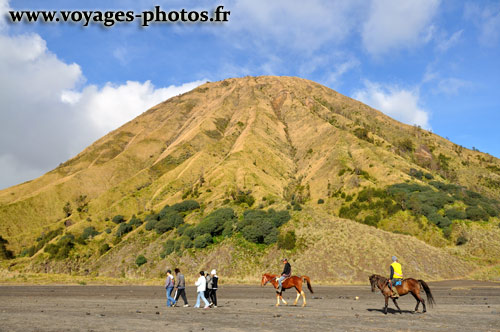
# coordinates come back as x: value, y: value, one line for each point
x: 461, y: 306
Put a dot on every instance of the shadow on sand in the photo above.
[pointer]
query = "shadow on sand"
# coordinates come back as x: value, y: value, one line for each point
x: 392, y: 311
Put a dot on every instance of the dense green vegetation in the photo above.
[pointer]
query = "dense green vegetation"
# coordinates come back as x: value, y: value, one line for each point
x: 125, y: 228
x: 140, y: 260
x: 169, y: 217
x: 89, y: 233
x: 257, y: 226
x: 440, y: 203
x: 118, y: 219
x: 261, y: 226
x: 62, y: 248
x: 254, y: 225
x: 42, y: 240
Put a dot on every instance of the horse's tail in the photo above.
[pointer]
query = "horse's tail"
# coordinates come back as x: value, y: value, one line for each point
x: 306, y: 279
x: 430, y: 298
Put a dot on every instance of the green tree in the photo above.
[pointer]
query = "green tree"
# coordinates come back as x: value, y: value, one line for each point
x: 118, y: 219
x: 185, y: 206
x: 123, y: 229
x: 89, y: 232
x: 104, y: 248
x: 140, y: 260
x: 202, y: 241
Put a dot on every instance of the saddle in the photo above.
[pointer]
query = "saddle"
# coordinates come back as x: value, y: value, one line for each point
x: 283, y: 279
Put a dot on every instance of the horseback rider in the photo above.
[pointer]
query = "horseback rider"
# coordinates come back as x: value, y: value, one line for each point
x: 396, y: 276
x: 287, y: 272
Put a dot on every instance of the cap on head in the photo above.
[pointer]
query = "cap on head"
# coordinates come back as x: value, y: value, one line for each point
x: 213, y: 272
x: 394, y: 258
x: 285, y: 260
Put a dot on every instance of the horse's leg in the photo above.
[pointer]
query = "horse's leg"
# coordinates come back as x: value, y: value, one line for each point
x: 396, y: 304
x: 297, y: 298
x: 303, y: 297
x: 417, y: 299
x: 298, y: 289
x: 281, y: 297
x: 386, y: 304
x: 301, y: 292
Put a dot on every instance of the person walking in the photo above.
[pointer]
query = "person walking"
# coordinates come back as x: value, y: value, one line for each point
x: 209, y: 282
x: 212, y: 288
x: 180, y: 286
x: 169, y: 286
x: 201, y: 285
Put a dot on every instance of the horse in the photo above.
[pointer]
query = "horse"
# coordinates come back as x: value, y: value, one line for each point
x: 291, y: 282
x: 409, y: 285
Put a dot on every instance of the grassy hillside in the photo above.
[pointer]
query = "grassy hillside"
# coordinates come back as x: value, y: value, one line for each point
x: 359, y: 186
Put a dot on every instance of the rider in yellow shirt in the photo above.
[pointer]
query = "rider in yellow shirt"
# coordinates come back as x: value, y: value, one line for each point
x: 396, y: 275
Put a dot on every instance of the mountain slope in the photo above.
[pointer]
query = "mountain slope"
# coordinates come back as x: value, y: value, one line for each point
x: 277, y: 139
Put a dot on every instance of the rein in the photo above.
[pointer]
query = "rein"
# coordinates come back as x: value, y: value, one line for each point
x: 268, y: 279
x: 381, y: 282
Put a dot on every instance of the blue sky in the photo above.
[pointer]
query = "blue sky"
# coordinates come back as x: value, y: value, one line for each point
x: 427, y: 62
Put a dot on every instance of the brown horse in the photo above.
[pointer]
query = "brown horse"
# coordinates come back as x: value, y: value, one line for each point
x: 292, y: 282
x: 407, y: 286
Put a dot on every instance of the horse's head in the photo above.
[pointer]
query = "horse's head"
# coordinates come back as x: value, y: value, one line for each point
x: 265, y: 279
x: 373, y: 281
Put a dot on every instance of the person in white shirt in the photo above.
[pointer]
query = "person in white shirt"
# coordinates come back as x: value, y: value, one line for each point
x: 201, y: 284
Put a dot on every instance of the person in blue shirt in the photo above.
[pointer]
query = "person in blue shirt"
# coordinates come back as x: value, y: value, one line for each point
x: 169, y: 286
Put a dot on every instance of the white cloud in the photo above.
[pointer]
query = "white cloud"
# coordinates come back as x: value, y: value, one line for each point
x: 394, y: 24
x: 48, y: 114
x: 487, y: 19
x: 446, y: 43
x: 341, y: 69
x: 400, y: 104
x: 293, y: 24
x: 430, y: 73
x: 15, y: 171
x: 443, y: 85
x: 452, y: 85
x: 34, y: 124
x: 4, y: 8
x: 113, y: 105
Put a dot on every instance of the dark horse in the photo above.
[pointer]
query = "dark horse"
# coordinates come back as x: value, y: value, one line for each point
x: 292, y: 282
x: 407, y: 286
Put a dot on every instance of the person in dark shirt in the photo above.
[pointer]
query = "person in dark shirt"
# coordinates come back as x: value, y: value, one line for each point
x: 287, y: 272
x: 212, y: 287
x: 180, y: 286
